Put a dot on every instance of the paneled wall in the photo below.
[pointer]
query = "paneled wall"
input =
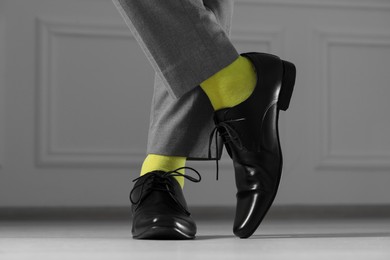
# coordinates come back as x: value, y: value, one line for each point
x: 75, y: 93
x: 2, y: 81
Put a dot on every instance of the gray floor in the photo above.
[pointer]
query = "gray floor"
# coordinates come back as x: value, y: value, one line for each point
x: 275, y: 239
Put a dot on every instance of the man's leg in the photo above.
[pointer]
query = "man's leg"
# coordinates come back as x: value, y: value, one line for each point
x: 186, y: 42
x: 183, y: 40
x: 179, y: 126
x: 247, y: 122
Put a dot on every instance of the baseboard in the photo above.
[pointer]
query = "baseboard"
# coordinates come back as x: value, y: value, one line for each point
x: 277, y: 212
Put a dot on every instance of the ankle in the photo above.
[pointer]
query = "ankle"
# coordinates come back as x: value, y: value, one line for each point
x: 155, y: 162
x: 231, y: 85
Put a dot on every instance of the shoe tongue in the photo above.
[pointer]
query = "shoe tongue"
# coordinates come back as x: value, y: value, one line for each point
x: 232, y: 113
x: 159, y: 171
x: 221, y: 115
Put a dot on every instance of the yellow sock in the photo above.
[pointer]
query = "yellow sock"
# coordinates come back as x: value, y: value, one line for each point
x: 155, y: 162
x: 231, y: 85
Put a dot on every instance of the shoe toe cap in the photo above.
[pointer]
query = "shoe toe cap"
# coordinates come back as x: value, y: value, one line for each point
x: 164, y: 224
x: 251, y: 208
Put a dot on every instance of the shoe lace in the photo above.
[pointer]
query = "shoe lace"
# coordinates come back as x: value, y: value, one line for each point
x: 161, y: 181
x: 228, y: 135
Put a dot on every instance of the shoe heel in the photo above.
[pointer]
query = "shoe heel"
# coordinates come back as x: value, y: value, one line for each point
x: 288, y: 81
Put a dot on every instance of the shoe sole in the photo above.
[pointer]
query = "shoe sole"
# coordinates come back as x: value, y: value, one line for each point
x: 288, y: 83
x: 163, y: 233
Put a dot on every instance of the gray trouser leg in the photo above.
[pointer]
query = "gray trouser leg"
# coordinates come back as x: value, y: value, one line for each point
x: 183, y: 40
x: 186, y: 41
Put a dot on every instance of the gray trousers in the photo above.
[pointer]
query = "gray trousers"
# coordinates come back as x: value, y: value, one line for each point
x: 186, y: 41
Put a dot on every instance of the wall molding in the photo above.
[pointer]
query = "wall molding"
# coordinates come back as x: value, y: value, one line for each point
x: 272, y: 37
x: 2, y: 85
x: 214, y: 212
x: 47, y: 154
x: 346, y: 4
x: 349, y: 4
x: 46, y: 30
x: 345, y: 159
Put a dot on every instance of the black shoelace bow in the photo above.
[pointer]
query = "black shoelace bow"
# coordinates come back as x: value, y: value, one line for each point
x: 161, y: 181
x: 228, y: 134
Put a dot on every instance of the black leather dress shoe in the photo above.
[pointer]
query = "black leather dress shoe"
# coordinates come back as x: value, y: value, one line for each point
x: 159, y: 208
x: 250, y: 134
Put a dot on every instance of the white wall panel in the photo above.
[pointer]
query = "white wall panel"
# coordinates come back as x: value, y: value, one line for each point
x: 2, y: 81
x: 355, y: 91
x: 90, y: 91
x: 75, y: 93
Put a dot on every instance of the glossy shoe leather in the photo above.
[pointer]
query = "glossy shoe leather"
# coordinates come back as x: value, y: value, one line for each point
x: 159, y: 208
x: 250, y: 134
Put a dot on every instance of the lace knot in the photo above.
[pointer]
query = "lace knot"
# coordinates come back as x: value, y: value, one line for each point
x: 161, y: 181
x: 228, y: 134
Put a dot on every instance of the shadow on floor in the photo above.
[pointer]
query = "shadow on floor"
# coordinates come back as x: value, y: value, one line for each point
x: 208, y: 237
x: 276, y: 236
x: 330, y: 235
